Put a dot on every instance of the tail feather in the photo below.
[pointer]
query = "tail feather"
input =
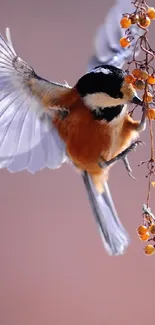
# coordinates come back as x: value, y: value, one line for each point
x: 113, y: 234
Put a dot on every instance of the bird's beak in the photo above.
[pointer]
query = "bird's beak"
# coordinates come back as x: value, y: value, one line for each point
x: 136, y: 100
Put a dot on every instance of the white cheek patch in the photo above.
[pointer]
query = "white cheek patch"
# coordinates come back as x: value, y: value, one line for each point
x: 102, y: 100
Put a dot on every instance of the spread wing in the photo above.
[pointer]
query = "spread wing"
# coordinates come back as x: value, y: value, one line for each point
x: 107, y: 47
x: 28, y: 140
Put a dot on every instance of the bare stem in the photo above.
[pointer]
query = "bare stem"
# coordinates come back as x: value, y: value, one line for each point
x: 141, y: 8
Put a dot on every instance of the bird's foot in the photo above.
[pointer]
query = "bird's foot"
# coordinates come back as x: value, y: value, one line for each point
x: 122, y: 156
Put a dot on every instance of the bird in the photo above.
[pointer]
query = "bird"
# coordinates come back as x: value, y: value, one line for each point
x: 44, y: 124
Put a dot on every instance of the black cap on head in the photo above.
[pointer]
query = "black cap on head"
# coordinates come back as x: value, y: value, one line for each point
x: 104, y: 78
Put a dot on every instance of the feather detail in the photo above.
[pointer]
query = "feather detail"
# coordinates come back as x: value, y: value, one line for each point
x: 28, y: 139
x: 113, y: 234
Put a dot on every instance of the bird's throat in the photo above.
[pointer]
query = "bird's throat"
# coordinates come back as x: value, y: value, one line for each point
x: 107, y: 113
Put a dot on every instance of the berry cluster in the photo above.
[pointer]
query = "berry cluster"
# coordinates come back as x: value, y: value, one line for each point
x: 146, y: 233
x: 142, y: 76
x: 139, y: 79
x: 141, y: 17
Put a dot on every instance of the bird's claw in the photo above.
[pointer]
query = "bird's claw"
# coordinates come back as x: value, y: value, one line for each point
x: 127, y: 166
x: 134, y: 146
x: 122, y: 156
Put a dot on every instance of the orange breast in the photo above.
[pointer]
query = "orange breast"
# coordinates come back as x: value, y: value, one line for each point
x: 85, y: 138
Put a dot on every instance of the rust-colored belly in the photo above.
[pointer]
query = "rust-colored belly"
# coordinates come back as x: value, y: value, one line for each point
x: 87, y: 139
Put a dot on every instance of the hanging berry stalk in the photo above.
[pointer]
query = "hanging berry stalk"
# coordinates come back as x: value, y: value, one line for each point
x: 142, y: 77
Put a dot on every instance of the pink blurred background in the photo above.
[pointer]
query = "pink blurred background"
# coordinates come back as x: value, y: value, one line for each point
x: 53, y: 267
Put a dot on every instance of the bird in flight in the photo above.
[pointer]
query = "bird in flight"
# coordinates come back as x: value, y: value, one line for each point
x: 44, y: 124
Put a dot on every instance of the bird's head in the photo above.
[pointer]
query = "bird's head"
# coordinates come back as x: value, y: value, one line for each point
x: 105, y: 86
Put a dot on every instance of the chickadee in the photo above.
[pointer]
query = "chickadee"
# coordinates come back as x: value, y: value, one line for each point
x: 44, y: 124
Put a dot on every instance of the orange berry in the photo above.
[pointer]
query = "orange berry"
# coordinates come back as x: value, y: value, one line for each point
x: 136, y: 73
x: 129, y: 79
x: 143, y: 74
x: 142, y: 230
x: 139, y: 84
x: 145, y: 22
x: 151, y: 13
x: 149, y: 250
x: 153, y: 184
x: 152, y: 229
x: 140, y: 74
x: 147, y: 97
x: 124, y: 42
x: 151, y: 113
x: 144, y: 237
x: 151, y: 80
x: 125, y: 22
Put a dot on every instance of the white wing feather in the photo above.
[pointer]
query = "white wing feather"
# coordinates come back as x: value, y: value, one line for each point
x: 28, y: 140
x: 107, y: 47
